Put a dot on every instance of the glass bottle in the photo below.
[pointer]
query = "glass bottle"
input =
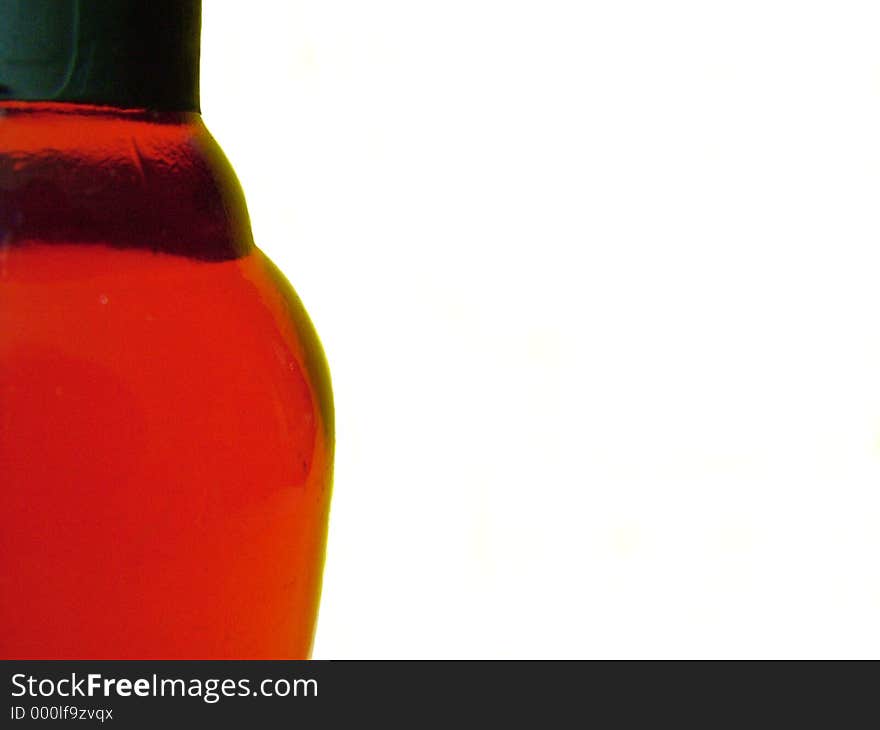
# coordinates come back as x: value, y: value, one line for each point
x: 166, y: 417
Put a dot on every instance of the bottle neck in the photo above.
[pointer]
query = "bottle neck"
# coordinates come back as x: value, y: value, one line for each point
x: 130, y: 54
x: 74, y: 174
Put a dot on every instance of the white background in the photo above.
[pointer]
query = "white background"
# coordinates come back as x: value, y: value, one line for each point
x: 599, y: 284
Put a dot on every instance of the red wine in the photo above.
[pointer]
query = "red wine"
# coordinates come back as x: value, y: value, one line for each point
x: 166, y: 420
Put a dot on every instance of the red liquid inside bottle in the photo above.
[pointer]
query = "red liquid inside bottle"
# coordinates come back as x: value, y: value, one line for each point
x: 166, y: 424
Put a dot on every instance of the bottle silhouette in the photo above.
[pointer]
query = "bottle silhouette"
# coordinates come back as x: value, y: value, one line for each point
x: 166, y: 418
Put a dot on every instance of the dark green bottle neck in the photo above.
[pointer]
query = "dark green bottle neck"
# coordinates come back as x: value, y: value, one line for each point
x: 131, y: 54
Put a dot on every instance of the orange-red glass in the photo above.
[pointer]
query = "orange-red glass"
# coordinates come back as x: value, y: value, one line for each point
x: 166, y: 421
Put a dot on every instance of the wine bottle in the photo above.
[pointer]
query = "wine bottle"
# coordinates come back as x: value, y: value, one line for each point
x: 166, y: 417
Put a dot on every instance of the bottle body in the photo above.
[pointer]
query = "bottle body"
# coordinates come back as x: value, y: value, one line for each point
x: 166, y: 419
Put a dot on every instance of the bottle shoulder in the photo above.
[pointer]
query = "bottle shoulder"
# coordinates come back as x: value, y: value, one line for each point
x: 143, y: 317
x: 128, y: 179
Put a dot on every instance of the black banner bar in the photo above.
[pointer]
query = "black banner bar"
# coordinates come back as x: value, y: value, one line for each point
x: 283, y: 694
